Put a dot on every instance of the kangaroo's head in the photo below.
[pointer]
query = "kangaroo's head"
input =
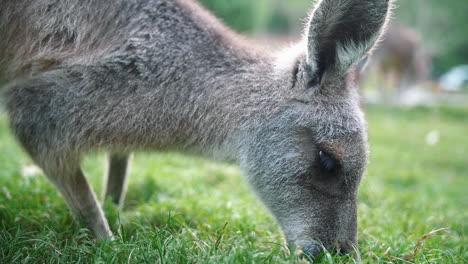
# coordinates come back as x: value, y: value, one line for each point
x: 306, y: 162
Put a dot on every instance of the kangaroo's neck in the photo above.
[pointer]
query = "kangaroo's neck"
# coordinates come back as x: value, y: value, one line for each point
x: 216, y: 92
x: 210, y: 83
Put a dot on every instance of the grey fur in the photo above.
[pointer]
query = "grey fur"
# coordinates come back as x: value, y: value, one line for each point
x: 129, y: 75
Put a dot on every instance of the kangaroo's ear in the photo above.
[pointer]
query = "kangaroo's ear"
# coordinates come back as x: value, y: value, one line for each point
x: 341, y: 32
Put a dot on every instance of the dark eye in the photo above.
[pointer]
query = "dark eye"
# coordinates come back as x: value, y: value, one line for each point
x: 294, y: 76
x: 326, y: 161
x: 314, y: 81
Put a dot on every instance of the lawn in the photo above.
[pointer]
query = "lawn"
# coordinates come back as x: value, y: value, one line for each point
x: 413, y: 204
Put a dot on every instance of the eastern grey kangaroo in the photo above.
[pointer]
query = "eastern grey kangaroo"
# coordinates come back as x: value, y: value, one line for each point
x: 129, y: 75
x: 400, y: 62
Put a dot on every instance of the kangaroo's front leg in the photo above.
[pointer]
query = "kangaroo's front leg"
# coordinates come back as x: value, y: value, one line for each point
x: 116, y: 177
x: 81, y: 200
x: 50, y: 133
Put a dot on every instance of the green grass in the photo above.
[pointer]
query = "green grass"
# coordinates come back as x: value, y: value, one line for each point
x: 183, y: 209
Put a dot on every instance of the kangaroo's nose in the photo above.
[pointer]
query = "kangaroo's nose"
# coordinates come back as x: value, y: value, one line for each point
x: 312, y: 250
x: 344, y: 247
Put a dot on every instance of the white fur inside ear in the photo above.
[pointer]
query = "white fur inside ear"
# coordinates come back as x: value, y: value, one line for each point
x: 354, y: 25
x: 322, y: 20
x: 349, y: 53
x: 286, y: 59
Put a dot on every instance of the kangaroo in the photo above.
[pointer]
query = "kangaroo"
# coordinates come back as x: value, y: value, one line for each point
x: 124, y: 76
x: 400, y: 61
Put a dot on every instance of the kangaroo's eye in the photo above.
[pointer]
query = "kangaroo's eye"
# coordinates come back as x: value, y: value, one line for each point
x: 326, y: 161
x: 314, y: 81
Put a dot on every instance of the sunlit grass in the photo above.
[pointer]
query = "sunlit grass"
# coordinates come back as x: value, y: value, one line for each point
x: 183, y: 209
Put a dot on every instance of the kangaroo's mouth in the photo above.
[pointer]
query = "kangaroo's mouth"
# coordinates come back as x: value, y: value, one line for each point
x: 313, y: 250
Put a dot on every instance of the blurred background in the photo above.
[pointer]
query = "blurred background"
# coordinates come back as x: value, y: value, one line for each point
x: 423, y: 59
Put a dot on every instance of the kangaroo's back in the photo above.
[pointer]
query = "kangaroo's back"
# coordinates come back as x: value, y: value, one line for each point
x: 150, y: 71
x: 40, y: 35
x: 37, y: 35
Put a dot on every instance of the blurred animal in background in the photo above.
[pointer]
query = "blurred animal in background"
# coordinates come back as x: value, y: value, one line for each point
x: 400, y: 62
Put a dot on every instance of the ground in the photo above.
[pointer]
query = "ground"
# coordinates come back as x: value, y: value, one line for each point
x: 412, y: 204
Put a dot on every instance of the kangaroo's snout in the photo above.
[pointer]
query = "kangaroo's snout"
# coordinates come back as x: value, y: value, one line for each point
x: 314, y: 249
x: 345, y: 247
x: 333, y: 230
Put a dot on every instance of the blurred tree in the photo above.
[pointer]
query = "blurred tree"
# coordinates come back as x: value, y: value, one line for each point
x: 286, y: 16
x: 259, y: 16
x: 443, y: 25
x: 242, y: 15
